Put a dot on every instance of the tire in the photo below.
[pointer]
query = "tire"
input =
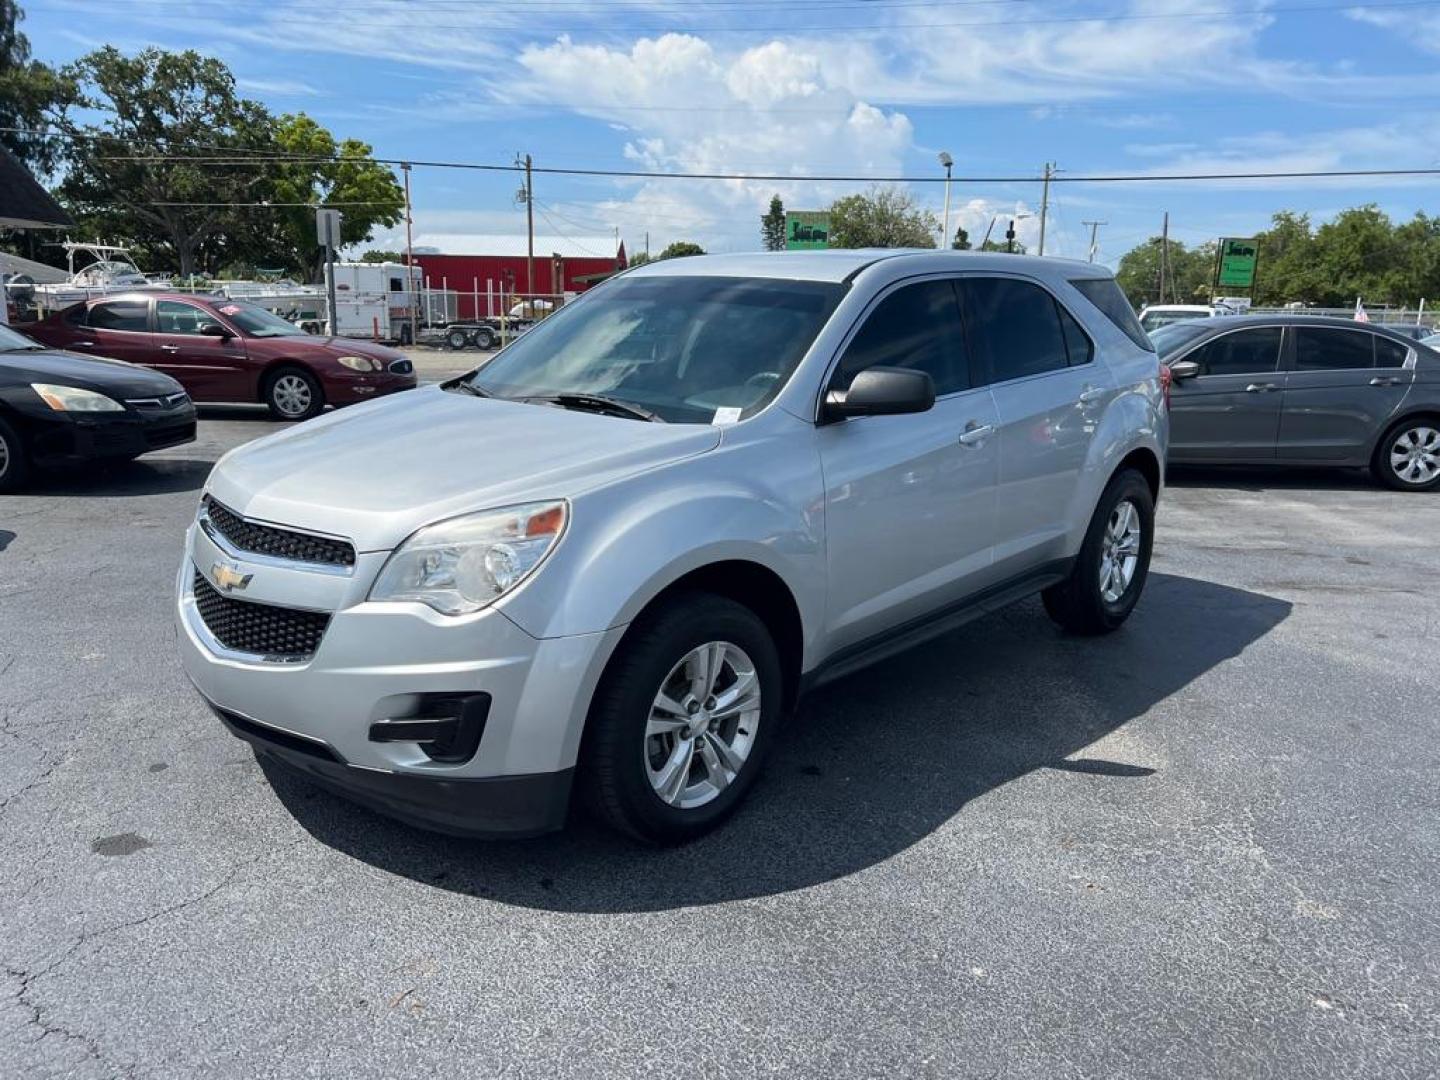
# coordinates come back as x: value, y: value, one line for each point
x: 14, y: 459
x: 293, y: 394
x: 633, y: 749
x: 485, y: 338
x: 1410, y: 449
x: 1083, y: 603
x: 456, y: 339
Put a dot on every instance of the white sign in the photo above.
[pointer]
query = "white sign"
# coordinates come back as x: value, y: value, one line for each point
x: 333, y: 217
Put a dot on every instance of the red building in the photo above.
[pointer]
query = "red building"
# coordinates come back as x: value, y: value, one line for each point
x: 478, y: 268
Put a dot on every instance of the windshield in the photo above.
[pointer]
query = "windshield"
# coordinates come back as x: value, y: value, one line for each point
x: 1175, y: 335
x: 256, y: 321
x: 10, y: 340
x: 689, y: 349
x: 1153, y: 320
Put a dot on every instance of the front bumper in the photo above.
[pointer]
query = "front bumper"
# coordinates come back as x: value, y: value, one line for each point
x: 352, y: 387
x: 377, y: 662
x: 60, y: 439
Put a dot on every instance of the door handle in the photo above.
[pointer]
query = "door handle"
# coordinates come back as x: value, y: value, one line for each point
x: 976, y: 433
x: 1091, y: 393
x: 1384, y: 380
x: 169, y: 348
x: 1260, y: 387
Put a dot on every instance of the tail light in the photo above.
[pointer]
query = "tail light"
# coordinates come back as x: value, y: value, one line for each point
x: 1165, y: 380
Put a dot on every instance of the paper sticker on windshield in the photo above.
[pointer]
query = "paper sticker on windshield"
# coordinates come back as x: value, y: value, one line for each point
x: 230, y: 309
x: 728, y: 415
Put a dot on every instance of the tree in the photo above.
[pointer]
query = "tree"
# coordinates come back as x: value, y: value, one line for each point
x: 1188, y: 277
x: 681, y: 248
x: 374, y: 256
x: 640, y: 258
x: 31, y: 95
x: 772, y: 225
x: 961, y: 241
x: 1004, y: 247
x: 884, y: 217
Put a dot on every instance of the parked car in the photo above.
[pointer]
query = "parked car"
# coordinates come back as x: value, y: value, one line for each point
x: 59, y: 409
x: 1433, y: 341
x: 1304, y: 390
x: 619, y: 551
x: 1154, y: 316
x: 1413, y: 331
x: 229, y: 350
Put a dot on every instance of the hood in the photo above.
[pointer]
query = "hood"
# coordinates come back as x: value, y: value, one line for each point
x: 114, y: 378
x: 331, y: 346
x: 379, y: 471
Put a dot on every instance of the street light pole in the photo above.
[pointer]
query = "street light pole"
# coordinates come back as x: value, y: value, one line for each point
x: 1094, y: 229
x: 947, y: 161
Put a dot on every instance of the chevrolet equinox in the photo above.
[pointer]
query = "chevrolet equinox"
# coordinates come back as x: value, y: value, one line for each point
x: 613, y: 557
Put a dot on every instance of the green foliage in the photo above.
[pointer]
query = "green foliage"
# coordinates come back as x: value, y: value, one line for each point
x: 772, y: 225
x: 374, y: 256
x: 681, y: 248
x: 961, y: 240
x: 1016, y: 248
x: 32, y: 95
x: 640, y: 258
x: 1188, y: 278
x: 883, y: 217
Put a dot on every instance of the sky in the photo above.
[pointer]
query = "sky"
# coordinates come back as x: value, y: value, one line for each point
x: 868, y: 88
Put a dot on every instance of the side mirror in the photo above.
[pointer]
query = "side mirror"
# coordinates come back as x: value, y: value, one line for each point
x: 1184, y: 369
x: 882, y: 391
x: 215, y: 329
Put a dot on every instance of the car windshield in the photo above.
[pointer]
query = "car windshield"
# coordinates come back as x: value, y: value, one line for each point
x: 10, y: 341
x: 1173, y: 336
x: 687, y: 349
x: 1153, y: 320
x: 256, y: 321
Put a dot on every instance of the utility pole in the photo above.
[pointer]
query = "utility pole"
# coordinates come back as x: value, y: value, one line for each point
x: 1164, y: 254
x: 1045, y: 203
x: 410, y: 289
x: 529, y: 230
x: 1094, y: 228
x: 988, y: 231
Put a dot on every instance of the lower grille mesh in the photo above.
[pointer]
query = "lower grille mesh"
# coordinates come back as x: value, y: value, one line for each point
x: 261, y: 629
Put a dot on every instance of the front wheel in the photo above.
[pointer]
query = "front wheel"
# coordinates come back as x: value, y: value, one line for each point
x: 1109, y: 573
x: 682, y: 719
x: 1408, y: 457
x: 14, y: 459
x: 293, y: 394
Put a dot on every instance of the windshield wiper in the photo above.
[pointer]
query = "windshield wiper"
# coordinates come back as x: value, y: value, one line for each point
x: 600, y: 404
x: 470, y: 388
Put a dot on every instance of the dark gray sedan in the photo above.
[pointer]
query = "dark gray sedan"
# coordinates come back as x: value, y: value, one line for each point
x: 1303, y: 390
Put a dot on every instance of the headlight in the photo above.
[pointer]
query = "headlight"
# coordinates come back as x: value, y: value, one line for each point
x: 72, y: 399
x: 361, y: 363
x: 459, y: 566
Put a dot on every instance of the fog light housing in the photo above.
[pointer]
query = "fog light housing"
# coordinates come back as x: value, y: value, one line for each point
x: 446, y: 727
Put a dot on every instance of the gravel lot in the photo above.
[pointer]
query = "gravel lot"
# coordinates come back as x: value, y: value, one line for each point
x: 1205, y: 846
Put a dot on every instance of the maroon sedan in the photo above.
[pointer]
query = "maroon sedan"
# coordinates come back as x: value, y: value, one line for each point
x: 228, y: 350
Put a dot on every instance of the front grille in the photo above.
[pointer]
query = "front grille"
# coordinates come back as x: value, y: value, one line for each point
x: 158, y: 404
x: 279, y: 543
x: 262, y: 629
x: 401, y: 367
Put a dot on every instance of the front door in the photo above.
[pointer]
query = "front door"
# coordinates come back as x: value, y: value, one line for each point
x: 210, y: 368
x: 1343, y: 386
x: 909, y: 500
x: 1230, y: 411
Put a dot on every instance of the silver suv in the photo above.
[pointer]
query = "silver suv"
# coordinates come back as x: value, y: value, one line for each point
x: 614, y: 556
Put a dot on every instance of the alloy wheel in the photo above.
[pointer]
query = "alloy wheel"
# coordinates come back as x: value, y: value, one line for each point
x: 1120, y: 551
x: 702, y: 725
x: 4, y: 456
x: 292, y: 395
x: 1415, y: 455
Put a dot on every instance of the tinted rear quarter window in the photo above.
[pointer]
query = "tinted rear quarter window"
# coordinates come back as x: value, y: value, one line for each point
x: 1106, y: 295
x: 918, y: 327
x: 1014, y: 327
x: 1240, y: 352
x: 1319, y: 348
x: 119, y: 315
x: 1077, y: 342
x: 1389, y: 353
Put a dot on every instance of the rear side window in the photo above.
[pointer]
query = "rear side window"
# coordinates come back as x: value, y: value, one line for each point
x: 1014, y: 327
x: 1106, y: 295
x: 1389, y: 353
x: 1318, y: 348
x: 120, y: 315
x: 1242, y: 352
x: 917, y: 326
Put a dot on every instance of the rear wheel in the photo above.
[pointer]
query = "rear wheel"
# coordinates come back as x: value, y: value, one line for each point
x: 1408, y: 457
x: 1109, y: 573
x: 682, y: 719
x: 456, y: 339
x: 14, y: 459
x: 485, y: 338
x: 293, y: 394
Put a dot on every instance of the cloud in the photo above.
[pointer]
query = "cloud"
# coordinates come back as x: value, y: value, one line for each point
x: 1420, y: 29
x: 277, y: 87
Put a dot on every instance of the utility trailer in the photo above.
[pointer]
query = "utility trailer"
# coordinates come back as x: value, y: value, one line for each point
x: 489, y: 331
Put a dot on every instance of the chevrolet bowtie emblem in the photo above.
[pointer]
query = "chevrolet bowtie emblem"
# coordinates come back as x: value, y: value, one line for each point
x: 228, y: 578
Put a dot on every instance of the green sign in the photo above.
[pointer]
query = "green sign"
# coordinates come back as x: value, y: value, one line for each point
x: 806, y: 230
x: 1237, y: 263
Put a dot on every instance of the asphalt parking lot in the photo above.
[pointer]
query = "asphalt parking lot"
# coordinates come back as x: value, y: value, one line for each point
x: 1204, y: 846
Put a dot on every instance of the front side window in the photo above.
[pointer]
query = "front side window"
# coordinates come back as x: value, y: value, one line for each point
x: 177, y: 317
x: 1243, y: 352
x: 119, y: 315
x: 688, y: 349
x: 1014, y: 327
x: 1319, y: 348
x: 917, y: 327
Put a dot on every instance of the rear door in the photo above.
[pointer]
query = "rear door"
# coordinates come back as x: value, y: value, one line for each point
x: 119, y: 329
x: 1231, y: 410
x: 1342, y: 387
x: 1049, y: 395
x: 210, y: 368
